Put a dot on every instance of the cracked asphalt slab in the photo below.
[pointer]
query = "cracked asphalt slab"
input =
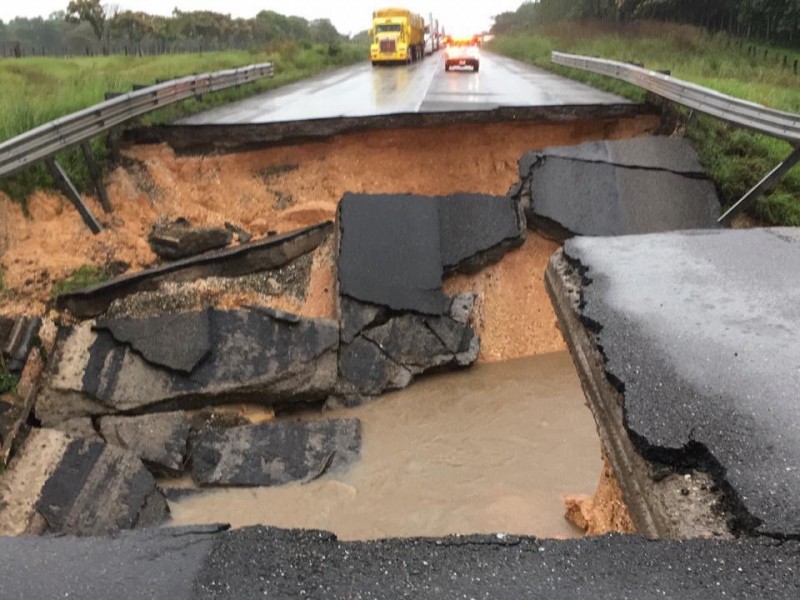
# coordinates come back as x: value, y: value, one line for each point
x: 642, y: 185
x: 699, y: 333
x: 257, y: 562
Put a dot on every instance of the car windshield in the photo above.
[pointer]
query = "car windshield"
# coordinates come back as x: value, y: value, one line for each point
x: 387, y: 28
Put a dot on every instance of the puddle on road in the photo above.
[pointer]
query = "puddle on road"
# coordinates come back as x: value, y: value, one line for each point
x: 494, y: 448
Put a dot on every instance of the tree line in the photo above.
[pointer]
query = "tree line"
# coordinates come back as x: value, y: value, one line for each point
x: 88, y: 27
x: 776, y: 21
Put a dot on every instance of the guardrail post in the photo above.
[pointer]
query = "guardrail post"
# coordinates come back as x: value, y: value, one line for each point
x: 97, y: 176
x: 765, y: 185
x: 72, y: 194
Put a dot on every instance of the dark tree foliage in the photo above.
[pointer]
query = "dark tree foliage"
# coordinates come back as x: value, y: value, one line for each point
x: 771, y: 20
x: 86, y: 27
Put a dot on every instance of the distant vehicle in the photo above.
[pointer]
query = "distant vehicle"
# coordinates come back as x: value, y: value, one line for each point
x: 462, y: 52
x: 398, y: 35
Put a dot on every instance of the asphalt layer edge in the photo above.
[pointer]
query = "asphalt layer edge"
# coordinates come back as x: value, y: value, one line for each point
x: 649, y: 502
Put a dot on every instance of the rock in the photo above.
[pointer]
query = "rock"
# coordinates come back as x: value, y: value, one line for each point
x: 617, y: 188
x: 274, y: 453
x: 461, y: 307
x: 241, y: 235
x: 179, y: 239
x: 79, y: 427
x: 158, y: 439
x: 83, y: 487
x: 364, y: 369
x: 255, y: 356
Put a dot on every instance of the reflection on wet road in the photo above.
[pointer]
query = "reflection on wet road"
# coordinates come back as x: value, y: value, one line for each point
x: 362, y: 90
x: 491, y: 449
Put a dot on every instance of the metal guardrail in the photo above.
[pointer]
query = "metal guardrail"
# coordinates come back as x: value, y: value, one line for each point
x: 777, y: 123
x: 769, y: 121
x: 45, y: 141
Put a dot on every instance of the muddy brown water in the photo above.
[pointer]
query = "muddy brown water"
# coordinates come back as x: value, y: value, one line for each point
x: 495, y: 448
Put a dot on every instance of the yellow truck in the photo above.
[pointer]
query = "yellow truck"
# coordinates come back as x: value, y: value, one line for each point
x: 398, y: 35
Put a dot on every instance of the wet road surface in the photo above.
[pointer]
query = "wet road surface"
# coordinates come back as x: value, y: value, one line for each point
x: 259, y: 562
x: 362, y: 90
x: 700, y: 329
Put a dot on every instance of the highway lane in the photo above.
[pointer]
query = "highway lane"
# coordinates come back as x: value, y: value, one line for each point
x: 361, y: 90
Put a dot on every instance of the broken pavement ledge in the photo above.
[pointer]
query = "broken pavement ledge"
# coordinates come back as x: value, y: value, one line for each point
x: 274, y: 453
x: 394, y: 252
x: 251, y: 257
x: 257, y: 355
x: 699, y: 335
x: 639, y: 185
x: 204, y: 562
x: 63, y: 485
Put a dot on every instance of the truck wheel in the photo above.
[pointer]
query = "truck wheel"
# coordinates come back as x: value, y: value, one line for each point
x: 476, y: 67
x: 446, y: 67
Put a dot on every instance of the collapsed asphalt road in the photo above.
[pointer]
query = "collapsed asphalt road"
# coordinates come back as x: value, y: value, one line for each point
x: 699, y: 335
x: 257, y: 562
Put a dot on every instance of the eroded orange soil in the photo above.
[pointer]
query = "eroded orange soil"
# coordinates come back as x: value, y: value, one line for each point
x: 248, y: 190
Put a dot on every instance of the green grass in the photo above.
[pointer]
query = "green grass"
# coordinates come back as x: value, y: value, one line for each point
x: 83, y: 277
x: 37, y: 90
x: 734, y: 158
x: 8, y: 382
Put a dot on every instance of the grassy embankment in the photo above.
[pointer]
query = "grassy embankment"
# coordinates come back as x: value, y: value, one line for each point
x: 36, y: 90
x: 735, y: 159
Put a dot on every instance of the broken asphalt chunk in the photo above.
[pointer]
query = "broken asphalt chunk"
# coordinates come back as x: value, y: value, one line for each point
x: 642, y: 185
x: 254, y: 356
x: 59, y: 484
x: 158, y: 439
x: 274, y: 453
x: 395, y: 249
x: 396, y: 322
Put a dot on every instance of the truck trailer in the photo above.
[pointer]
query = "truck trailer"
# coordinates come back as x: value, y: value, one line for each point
x: 398, y: 36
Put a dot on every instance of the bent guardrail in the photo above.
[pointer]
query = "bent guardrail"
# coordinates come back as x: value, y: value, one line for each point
x: 45, y: 141
x: 776, y: 123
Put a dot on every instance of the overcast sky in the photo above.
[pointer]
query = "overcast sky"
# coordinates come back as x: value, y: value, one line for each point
x: 349, y: 16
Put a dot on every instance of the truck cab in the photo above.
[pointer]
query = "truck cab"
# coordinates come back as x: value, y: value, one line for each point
x: 398, y: 36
